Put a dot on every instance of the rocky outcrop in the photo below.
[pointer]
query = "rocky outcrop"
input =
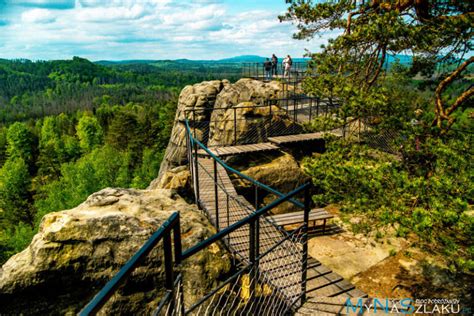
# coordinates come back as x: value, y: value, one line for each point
x: 200, y: 98
x: 77, y: 251
x: 174, y: 179
x: 283, y: 173
x: 213, y: 104
x: 252, y: 124
x: 248, y: 90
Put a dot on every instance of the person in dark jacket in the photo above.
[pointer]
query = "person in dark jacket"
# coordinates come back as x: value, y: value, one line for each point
x: 267, y: 65
x: 274, y: 65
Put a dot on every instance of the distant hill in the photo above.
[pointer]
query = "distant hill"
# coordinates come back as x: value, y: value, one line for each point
x: 403, y: 59
x: 124, y: 62
x: 242, y: 59
x: 233, y: 60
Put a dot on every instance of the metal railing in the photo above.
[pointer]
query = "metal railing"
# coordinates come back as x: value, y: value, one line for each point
x: 290, y: 78
x: 256, y: 70
x: 281, y: 268
x: 172, y: 302
x: 256, y: 123
x: 261, y: 281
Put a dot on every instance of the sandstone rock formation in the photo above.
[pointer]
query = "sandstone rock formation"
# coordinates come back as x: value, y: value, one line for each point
x: 200, y: 97
x: 174, y: 179
x: 283, y: 173
x: 77, y: 251
x: 211, y: 125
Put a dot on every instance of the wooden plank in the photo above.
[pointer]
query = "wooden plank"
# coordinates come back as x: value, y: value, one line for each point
x: 298, y: 217
x: 299, y: 220
x: 291, y: 214
x: 239, y: 149
x: 296, y: 138
x: 295, y: 215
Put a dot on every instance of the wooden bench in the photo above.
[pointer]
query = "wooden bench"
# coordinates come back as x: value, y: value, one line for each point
x: 294, y: 218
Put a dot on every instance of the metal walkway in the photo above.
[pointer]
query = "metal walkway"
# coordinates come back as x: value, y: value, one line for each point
x: 299, y: 137
x: 239, y: 149
x: 321, y: 281
x: 273, y: 144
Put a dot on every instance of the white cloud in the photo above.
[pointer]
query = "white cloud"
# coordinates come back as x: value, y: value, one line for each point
x: 38, y: 16
x: 148, y: 29
x: 99, y: 14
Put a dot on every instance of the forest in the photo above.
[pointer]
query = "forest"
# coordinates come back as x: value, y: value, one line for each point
x: 69, y: 128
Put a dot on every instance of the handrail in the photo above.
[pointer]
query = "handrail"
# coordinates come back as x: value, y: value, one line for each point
x: 109, y: 289
x: 194, y: 109
x: 246, y: 220
x: 223, y: 164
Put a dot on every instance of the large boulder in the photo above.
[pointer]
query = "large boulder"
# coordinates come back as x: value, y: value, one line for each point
x: 76, y: 252
x: 245, y: 122
x: 209, y: 107
x: 241, y: 114
x: 195, y: 103
x: 248, y: 90
x: 282, y: 173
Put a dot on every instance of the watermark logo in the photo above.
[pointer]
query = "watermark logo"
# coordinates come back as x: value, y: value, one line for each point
x: 407, y: 306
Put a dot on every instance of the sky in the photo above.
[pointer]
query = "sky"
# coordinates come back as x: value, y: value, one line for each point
x: 146, y: 29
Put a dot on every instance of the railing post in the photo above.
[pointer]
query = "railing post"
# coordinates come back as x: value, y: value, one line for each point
x: 177, y: 240
x: 270, y: 118
x: 194, y: 122
x: 310, y: 107
x: 235, y: 126
x: 196, y: 174
x: 228, y: 220
x: 305, y: 244
x: 295, y: 117
x: 187, y: 153
x: 216, y: 195
x: 317, y: 107
x: 177, y: 261
x: 256, y: 197
x: 169, y: 278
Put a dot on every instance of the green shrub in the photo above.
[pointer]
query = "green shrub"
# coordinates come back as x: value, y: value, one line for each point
x: 427, y: 192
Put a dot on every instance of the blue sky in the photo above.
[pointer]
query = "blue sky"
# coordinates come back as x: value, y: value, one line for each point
x: 146, y: 29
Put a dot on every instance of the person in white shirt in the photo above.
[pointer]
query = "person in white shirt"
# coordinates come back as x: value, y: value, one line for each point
x: 287, y: 62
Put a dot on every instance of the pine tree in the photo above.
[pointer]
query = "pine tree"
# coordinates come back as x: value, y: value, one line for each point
x: 15, y: 197
x: 89, y: 132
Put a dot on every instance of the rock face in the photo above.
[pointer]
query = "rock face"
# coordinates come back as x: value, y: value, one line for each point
x: 200, y: 97
x: 77, y: 251
x: 213, y: 103
x: 283, y: 173
x: 174, y: 179
x: 248, y: 90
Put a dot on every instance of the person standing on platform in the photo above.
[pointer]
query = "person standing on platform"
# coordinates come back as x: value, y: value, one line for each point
x: 267, y: 66
x: 274, y: 65
x: 287, y: 62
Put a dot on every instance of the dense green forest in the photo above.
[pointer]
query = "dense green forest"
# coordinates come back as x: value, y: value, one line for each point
x: 69, y: 128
